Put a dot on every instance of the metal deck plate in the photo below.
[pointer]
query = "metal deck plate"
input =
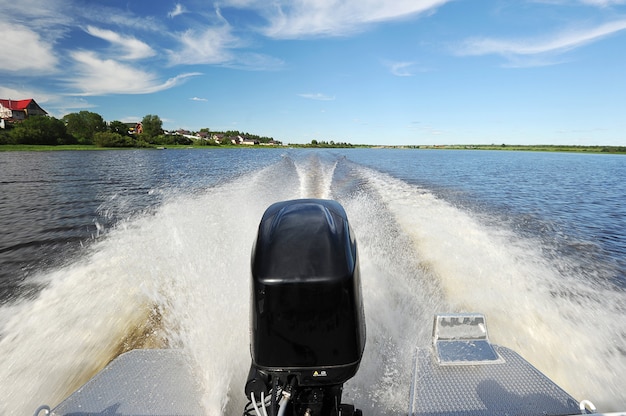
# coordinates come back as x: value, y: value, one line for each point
x: 511, y: 387
x: 139, y: 382
x: 465, y: 352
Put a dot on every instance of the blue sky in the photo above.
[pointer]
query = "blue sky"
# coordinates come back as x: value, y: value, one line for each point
x: 362, y: 71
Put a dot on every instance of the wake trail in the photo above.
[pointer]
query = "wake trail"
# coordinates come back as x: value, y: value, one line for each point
x: 568, y: 327
x: 176, y: 277
x: 316, y: 176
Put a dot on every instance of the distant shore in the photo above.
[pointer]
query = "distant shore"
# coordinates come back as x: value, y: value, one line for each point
x: 61, y: 147
x: 526, y: 148
x: 536, y: 148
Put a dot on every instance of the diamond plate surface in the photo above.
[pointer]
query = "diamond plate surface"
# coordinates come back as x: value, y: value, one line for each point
x: 512, y: 387
x: 139, y: 382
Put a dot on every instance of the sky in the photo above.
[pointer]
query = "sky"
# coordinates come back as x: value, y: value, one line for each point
x: 401, y: 72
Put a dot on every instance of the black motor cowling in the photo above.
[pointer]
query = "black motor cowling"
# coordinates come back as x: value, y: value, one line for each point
x: 307, y: 312
x: 307, y: 320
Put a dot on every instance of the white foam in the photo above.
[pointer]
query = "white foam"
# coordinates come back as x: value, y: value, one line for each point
x: 572, y: 330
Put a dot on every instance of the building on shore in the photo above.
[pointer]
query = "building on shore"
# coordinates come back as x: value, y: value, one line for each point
x: 18, y: 110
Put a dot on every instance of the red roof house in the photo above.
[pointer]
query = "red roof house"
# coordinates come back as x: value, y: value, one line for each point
x: 15, y: 110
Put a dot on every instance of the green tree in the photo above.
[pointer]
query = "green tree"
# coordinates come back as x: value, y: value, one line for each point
x: 5, y: 138
x: 40, y: 130
x: 83, y: 125
x: 119, y: 128
x: 152, y: 126
x: 110, y: 139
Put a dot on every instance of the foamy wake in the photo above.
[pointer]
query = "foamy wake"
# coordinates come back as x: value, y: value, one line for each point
x: 571, y: 329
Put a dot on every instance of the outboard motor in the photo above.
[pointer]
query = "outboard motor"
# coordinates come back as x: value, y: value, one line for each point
x: 307, y: 320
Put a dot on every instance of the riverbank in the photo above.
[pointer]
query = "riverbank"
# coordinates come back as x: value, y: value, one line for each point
x: 46, y: 148
x: 524, y: 148
x: 535, y: 148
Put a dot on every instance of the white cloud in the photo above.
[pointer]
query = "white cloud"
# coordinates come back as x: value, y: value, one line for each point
x: 95, y: 76
x: 317, y: 96
x: 46, y: 18
x: 291, y: 19
x: 121, y: 18
x: 134, y: 48
x: 208, y: 46
x: 401, y: 69
x: 23, y: 93
x: 405, y: 68
x: 561, y: 42
x: 198, y: 99
x: 24, y: 50
x: 178, y: 10
x: 216, y: 45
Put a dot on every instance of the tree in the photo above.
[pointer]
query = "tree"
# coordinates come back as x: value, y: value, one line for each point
x: 111, y: 139
x: 118, y: 127
x: 152, y: 126
x: 83, y: 125
x: 5, y: 138
x: 39, y: 130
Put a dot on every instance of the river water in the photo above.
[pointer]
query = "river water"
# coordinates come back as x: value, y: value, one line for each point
x: 105, y: 251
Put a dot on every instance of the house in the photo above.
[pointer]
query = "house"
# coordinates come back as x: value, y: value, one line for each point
x: 217, y: 137
x: 245, y: 140
x: 18, y: 110
x: 134, y: 128
x: 249, y: 142
x: 224, y: 139
x: 239, y: 139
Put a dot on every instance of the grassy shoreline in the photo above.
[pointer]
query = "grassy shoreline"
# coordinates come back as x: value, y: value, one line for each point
x: 536, y: 148
x: 45, y: 148
x: 524, y: 148
x: 80, y: 147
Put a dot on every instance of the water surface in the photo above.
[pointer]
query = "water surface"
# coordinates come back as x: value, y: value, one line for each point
x: 101, y: 252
